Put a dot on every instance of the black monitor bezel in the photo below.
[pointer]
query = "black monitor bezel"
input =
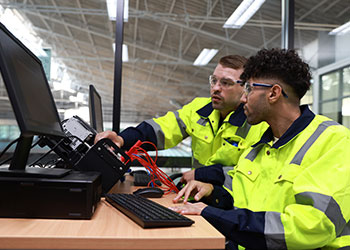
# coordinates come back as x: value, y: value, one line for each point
x: 92, y: 107
x: 14, y: 99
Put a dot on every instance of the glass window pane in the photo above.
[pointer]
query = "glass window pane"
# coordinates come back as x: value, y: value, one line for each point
x: 4, y: 131
x: 330, y: 86
x: 346, y: 79
x: 346, y: 112
x: 329, y: 109
x: 307, y: 98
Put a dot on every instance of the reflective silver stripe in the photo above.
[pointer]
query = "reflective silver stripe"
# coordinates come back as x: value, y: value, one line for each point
x: 159, y: 133
x: 181, y: 124
x: 228, y: 178
x: 202, y: 121
x: 254, y: 152
x: 243, y: 131
x: 274, y: 231
x: 346, y: 230
x: 302, y: 151
x: 195, y: 163
x: 325, y: 204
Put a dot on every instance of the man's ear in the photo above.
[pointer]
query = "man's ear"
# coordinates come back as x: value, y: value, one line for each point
x: 275, y: 93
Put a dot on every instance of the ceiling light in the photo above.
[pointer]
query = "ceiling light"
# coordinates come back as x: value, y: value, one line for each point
x: 112, y: 9
x: 243, y: 13
x: 341, y: 30
x: 125, y: 52
x: 205, y: 56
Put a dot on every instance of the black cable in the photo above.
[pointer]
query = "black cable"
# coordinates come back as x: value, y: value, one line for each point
x: 8, y: 146
x: 48, y: 152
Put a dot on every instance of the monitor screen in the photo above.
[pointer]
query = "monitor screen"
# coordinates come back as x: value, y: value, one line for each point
x: 95, y: 105
x: 29, y: 94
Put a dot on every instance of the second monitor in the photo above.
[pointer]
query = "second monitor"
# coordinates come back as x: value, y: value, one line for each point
x: 95, y: 107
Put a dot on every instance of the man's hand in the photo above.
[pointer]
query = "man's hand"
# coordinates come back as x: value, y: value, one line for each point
x: 196, y: 189
x: 118, y: 140
x: 190, y: 208
x: 187, y: 176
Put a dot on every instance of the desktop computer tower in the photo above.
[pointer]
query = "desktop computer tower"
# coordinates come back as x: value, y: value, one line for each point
x: 74, y: 196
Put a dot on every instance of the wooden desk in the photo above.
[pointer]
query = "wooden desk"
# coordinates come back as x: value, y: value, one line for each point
x: 108, y: 229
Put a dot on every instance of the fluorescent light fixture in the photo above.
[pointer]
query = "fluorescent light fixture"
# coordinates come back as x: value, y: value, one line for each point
x: 125, y: 52
x: 112, y: 9
x: 243, y: 13
x: 205, y: 56
x: 341, y: 30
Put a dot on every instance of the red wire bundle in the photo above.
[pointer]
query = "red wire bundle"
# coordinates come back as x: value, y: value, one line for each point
x: 138, y: 153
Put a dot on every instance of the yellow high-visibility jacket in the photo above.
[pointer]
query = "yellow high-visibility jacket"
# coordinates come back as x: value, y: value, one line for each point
x: 293, y: 194
x: 202, y: 123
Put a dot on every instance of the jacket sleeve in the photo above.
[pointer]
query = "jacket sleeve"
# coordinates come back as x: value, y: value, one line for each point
x: 165, y: 131
x: 219, y: 198
x: 143, y: 132
x: 319, y: 215
x: 210, y: 174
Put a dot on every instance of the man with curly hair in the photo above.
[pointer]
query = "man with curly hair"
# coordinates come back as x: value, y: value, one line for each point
x: 291, y: 190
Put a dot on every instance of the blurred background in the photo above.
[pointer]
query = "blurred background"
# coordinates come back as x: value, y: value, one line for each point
x: 162, y: 40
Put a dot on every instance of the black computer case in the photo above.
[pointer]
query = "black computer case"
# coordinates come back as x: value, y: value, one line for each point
x: 74, y: 196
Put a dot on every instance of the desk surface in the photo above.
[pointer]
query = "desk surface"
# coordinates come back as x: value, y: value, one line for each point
x: 108, y: 229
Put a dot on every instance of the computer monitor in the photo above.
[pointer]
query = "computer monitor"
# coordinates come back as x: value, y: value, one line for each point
x: 95, y: 105
x: 32, y: 103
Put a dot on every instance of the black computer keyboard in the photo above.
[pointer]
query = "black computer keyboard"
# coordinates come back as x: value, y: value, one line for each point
x: 147, y: 213
x: 141, y: 179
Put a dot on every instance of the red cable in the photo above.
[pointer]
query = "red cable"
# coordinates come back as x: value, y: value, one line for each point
x: 136, y: 152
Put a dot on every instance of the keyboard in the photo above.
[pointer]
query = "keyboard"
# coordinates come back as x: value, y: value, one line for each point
x: 147, y: 213
x: 141, y: 179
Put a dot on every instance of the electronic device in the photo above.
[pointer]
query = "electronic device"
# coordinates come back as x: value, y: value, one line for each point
x: 33, y: 192
x: 149, y: 192
x: 141, y: 179
x: 147, y: 213
x: 108, y: 159
x: 78, y: 131
x: 95, y: 108
x: 32, y: 103
x: 36, y: 114
x: 80, y: 153
x: 139, y: 171
x: 74, y: 196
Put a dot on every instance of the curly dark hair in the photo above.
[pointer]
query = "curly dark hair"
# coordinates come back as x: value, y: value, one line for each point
x: 281, y: 64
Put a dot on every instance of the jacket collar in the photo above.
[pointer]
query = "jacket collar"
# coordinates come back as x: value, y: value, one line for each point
x: 297, y: 126
x: 237, y: 118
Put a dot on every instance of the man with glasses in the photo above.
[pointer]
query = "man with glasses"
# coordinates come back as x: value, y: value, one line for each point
x: 216, y: 124
x: 290, y: 190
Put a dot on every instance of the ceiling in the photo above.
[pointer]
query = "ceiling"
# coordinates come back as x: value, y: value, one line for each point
x: 163, y: 38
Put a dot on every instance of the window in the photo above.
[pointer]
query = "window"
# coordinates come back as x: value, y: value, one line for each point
x: 335, y: 95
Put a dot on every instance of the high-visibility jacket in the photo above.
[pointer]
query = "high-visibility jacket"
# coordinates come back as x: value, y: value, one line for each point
x: 202, y: 123
x: 293, y: 194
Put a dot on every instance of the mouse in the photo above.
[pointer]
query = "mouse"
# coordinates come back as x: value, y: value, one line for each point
x: 149, y: 192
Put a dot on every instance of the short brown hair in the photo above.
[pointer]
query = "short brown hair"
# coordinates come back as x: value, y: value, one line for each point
x: 233, y: 61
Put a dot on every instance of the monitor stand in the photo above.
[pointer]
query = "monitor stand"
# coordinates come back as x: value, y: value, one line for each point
x: 18, y: 166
